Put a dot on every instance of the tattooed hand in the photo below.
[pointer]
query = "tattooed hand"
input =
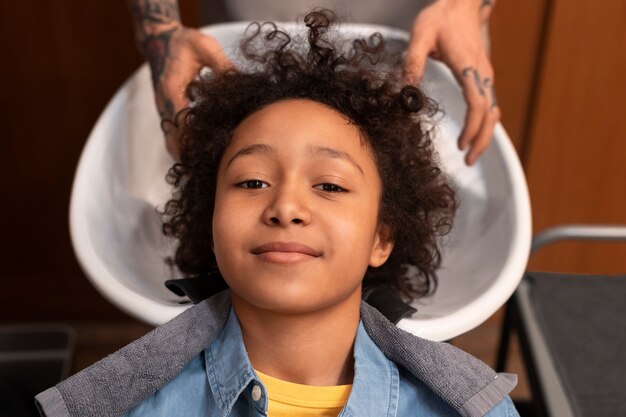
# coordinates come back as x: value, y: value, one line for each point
x: 450, y: 31
x: 175, y: 54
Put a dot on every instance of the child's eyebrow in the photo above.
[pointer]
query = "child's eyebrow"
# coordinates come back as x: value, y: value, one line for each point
x: 334, y: 153
x: 317, y: 150
x: 252, y: 149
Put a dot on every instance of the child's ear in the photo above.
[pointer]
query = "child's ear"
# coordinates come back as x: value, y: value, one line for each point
x: 383, y: 245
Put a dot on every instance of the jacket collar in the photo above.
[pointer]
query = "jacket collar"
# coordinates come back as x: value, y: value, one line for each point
x: 376, y: 381
x: 466, y: 383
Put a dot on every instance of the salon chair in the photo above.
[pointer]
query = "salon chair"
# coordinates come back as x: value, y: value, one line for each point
x: 116, y: 232
x: 572, y: 332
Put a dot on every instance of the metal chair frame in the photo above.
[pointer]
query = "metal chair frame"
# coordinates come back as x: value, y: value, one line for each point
x: 533, y: 348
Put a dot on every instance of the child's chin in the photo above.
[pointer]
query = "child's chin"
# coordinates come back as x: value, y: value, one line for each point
x: 298, y: 301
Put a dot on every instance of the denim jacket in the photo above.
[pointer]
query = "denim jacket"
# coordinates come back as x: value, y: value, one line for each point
x: 219, y: 382
x: 172, y: 371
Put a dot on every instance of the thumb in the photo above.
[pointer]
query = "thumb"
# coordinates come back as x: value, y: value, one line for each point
x: 415, y: 58
x: 211, y: 52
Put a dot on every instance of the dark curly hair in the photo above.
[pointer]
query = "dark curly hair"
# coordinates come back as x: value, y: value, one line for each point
x: 359, y: 79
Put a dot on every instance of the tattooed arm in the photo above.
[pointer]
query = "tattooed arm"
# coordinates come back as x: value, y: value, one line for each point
x: 155, y: 23
x: 175, y: 54
x: 451, y: 31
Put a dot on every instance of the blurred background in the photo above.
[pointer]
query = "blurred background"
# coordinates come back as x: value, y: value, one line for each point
x: 559, y: 69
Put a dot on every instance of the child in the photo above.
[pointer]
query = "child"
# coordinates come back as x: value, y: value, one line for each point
x: 302, y: 179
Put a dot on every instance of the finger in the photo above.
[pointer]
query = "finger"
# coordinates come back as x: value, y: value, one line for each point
x: 169, y: 120
x: 211, y: 51
x: 420, y: 46
x: 172, y: 144
x: 485, y: 136
x: 486, y: 112
x: 170, y: 97
x: 170, y: 91
x: 475, y: 97
x: 485, y: 9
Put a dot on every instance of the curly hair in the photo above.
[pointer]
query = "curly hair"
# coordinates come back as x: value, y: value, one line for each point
x: 358, y: 78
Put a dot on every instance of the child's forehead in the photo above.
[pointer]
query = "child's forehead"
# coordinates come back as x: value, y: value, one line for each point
x: 293, y: 130
x: 293, y: 123
x: 302, y: 112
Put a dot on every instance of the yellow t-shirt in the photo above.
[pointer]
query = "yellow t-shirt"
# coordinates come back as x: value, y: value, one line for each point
x: 286, y: 399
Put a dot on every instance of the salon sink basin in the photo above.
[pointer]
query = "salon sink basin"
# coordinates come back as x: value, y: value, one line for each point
x: 120, y: 182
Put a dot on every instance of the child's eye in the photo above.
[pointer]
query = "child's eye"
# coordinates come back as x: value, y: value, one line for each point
x: 330, y: 188
x: 253, y: 184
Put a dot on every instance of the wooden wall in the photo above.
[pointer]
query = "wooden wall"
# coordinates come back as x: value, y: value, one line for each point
x: 575, y: 157
x: 560, y: 69
x: 516, y: 30
x: 61, y: 63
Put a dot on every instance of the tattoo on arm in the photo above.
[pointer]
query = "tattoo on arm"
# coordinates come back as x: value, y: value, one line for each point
x: 168, y: 112
x: 466, y: 72
x: 156, y: 49
x: 154, y: 12
x: 155, y: 23
x: 152, y: 17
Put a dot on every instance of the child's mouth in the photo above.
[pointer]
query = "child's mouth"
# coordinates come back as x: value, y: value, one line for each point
x: 285, y: 252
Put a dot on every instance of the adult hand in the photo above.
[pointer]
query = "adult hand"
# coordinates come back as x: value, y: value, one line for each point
x: 175, y: 54
x: 176, y: 57
x: 450, y: 31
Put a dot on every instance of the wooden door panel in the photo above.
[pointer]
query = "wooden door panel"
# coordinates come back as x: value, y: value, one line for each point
x: 576, y: 165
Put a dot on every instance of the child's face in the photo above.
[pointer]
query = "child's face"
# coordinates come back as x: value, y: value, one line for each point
x: 295, y: 224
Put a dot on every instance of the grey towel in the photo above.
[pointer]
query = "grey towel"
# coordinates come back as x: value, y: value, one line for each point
x: 115, y: 384
x: 118, y: 382
x: 464, y: 382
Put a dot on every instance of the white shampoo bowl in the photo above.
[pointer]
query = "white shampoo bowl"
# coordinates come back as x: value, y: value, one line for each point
x: 120, y: 180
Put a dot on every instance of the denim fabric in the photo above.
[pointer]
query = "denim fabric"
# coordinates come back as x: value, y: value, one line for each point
x: 219, y: 382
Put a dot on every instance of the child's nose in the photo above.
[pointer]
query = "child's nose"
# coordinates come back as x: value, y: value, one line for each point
x: 288, y: 206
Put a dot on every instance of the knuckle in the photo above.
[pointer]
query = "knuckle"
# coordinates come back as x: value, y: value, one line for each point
x: 485, y: 139
x: 212, y: 42
x: 485, y: 105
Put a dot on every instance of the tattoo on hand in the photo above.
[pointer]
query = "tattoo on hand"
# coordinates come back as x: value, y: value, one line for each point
x: 466, y: 72
x: 156, y: 49
x: 485, y: 3
x: 492, y: 91
x: 168, y: 111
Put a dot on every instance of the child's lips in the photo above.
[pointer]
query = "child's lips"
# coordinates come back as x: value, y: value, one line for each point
x: 285, y: 252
